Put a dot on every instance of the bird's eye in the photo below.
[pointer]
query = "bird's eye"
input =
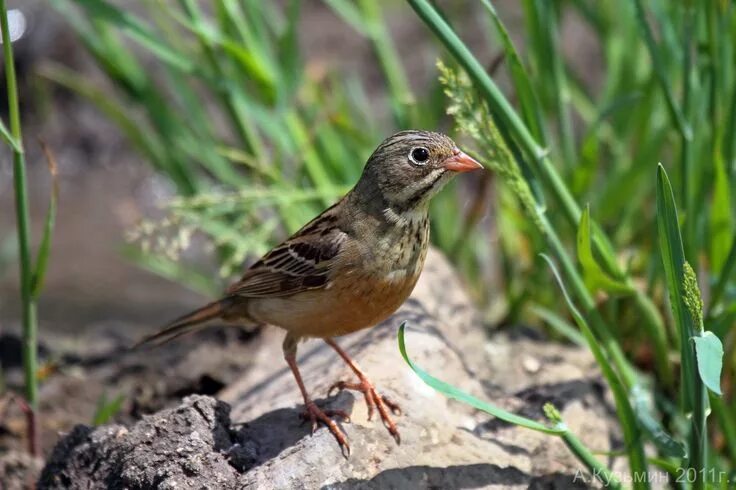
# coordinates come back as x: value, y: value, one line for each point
x: 419, y: 155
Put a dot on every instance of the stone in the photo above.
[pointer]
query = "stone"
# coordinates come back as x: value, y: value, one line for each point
x: 251, y: 435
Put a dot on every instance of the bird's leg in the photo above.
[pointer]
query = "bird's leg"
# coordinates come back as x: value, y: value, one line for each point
x: 373, y: 399
x: 311, y: 411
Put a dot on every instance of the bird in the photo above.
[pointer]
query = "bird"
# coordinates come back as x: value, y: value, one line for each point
x: 348, y: 269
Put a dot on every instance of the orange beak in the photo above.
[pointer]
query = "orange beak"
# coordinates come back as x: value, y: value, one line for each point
x: 461, y: 162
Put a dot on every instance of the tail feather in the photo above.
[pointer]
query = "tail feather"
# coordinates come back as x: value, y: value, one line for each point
x: 188, y: 323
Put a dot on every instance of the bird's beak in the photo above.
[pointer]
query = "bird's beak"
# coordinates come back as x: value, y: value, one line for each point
x: 461, y: 162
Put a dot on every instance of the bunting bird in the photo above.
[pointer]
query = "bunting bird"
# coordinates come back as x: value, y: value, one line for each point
x: 349, y: 268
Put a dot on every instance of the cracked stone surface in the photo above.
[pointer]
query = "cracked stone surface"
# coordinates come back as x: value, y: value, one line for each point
x: 251, y: 435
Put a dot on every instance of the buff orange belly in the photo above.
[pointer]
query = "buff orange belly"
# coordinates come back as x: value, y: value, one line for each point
x: 337, y: 310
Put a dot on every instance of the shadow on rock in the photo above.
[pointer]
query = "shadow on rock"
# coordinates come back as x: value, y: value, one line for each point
x: 461, y: 476
x: 266, y: 437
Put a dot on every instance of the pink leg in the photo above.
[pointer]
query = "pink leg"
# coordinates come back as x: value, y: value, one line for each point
x: 311, y: 411
x: 373, y: 399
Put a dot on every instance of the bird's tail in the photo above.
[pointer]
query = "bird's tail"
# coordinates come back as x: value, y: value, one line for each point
x: 191, y: 322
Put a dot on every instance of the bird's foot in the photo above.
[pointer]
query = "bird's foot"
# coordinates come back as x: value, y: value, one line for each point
x: 314, y: 414
x: 374, y: 401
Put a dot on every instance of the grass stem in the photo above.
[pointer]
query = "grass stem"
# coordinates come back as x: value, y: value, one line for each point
x: 723, y: 278
x: 23, y: 219
x: 28, y: 302
x: 576, y: 446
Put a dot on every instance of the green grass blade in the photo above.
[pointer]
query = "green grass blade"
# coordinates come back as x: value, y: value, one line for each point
x: 8, y: 138
x: 559, y: 324
x: 597, y: 469
x: 125, y: 21
x: 522, y: 85
x: 348, y: 11
x: 595, y: 276
x: 459, y: 395
x: 173, y: 271
x: 729, y: 144
x: 230, y: 93
x: 105, y: 48
x: 673, y: 258
x: 251, y: 62
x: 250, y: 23
x: 724, y: 277
x: 499, y: 105
x: 366, y: 19
x: 300, y: 134
x: 140, y: 135
x: 629, y: 426
x: 391, y: 65
x: 546, y: 45
x: 661, y: 74
x: 721, y: 218
x: 688, y: 176
x: 44, y: 249
x: 666, y: 444
x: 726, y: 423
x: 29, y: 317
x: 106, y: 409
x: 289, y: 54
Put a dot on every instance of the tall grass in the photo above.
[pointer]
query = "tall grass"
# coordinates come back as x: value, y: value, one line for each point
x: 234, y: 117
x: 613, y: 170
x: 253, y: 139
x: 13, y: 138
x: 32, y: 272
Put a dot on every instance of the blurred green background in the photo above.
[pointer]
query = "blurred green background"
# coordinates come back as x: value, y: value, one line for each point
x: 316, y: 113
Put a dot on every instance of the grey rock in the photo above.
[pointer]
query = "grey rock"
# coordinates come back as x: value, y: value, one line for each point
x: 252, y: 436
x: 184, y: 447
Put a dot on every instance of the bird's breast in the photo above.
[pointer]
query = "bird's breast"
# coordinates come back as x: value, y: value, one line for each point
x: 400, y: 251
x: 361, y: 292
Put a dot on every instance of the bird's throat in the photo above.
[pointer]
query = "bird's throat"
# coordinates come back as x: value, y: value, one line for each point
x: 405, y: 218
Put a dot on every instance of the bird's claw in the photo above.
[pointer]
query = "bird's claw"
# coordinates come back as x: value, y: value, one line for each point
x: 373, y: 401
x: 343, y: 385
x: 314, y: 414
x: 393, y: 406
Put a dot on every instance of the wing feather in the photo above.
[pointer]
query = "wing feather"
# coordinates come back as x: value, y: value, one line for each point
x: 302, y: 262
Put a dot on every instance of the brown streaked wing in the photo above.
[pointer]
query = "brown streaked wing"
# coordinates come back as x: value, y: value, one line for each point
x: 300, y: 263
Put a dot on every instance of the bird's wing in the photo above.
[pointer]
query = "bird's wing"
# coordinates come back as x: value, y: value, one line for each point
x: 302, y: 262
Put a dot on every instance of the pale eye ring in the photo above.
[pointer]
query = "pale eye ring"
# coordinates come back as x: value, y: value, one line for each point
x: 419, y: 155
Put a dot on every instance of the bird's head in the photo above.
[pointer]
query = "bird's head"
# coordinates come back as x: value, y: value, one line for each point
x: 410, y: 167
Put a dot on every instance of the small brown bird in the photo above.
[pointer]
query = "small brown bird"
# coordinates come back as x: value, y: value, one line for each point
x: 349, y: 268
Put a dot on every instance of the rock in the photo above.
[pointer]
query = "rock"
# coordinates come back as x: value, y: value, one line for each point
x: 252, y: 436
x: 184, y: 447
